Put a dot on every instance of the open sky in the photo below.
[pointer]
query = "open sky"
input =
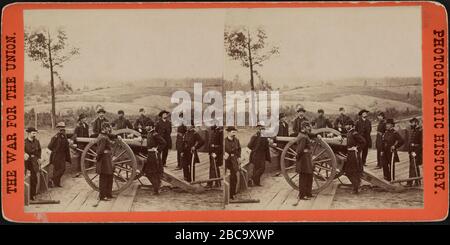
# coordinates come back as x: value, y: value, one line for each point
x: 315, y: 43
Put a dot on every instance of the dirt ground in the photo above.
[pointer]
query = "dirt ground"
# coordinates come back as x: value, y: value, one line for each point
x: 372, y: 198
x: 171, y: 199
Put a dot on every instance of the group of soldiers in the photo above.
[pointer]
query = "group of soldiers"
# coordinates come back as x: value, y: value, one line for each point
x: 188, y: 141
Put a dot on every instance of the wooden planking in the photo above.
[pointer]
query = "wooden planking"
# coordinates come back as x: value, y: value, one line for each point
x: 125, y: 200
x: 325, y: 198
x: 278, y: 199
x: 78, y: 200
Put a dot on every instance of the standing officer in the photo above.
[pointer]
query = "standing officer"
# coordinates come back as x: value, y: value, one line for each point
x: 304, y: 165
x: 259, y: 154
x: 341, y: 120
x: 191, y: 143
x: 353, y: 167
x: 364, y: 127
x: 283, y: 126
x: 391, y: 142
x: 32, y: 156
x: 415, y: 151
x: 59, y: 145
x: 82, y: 131
x: 215, y: 154
x: 298, y: 120
x: 164, y: 128
x: 153, y: 168
x: 121, y: 122
x: 97, y: 124
x: 321, y: 121
x: 381, y: 129
x: 104, y: 166
x: 232, y: 157
x: 181, y: 130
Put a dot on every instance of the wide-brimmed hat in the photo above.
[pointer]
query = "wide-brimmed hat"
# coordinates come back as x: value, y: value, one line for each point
x: 300, y: 108
x: 31, y: 129
x: 61, y: 125
x: 362, y: 111
x: 81, y: 116
x: 101, y: 110
x: 162, y: 112
x: 390, y: 121
x: 231, y: 128
x: 121, y: 112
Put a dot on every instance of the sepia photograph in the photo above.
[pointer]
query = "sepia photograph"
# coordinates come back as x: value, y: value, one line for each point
x: 148, y: 110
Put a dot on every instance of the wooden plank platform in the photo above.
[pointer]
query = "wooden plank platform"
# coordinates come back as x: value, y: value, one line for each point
x: 277, y: 194
x: 77, y: 196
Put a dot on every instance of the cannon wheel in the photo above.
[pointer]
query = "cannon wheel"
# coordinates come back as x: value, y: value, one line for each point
x: 323, y: 159
x: 124, y: 162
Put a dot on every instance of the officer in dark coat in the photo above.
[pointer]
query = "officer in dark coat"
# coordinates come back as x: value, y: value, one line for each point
x: 192, y: 141
x: 283, y: 126
x: 391, y: 142
x: 353, y: 166
x: 104, y: 165
x: 259, y: 154
x: 415, y: 151
x: 32, y: 156
x: 321, y: 121
x: 97, y: 124
x: 121, y: 122
x: 164, y: 128
x: 215, y: 154
x: 232, y: 157
x: 298, y: 120
x: 341, y: 120
x: 59, y: 145
x: 81, y: 131
x: 304, y: 165
x: 153, y: 168
x: 364, y: 127
x: 181, y: 130
x: 381, y: 129
x: 143, y: 123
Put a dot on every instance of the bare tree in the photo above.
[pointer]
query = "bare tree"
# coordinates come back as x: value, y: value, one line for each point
x: 249, y: 47
x: 52, y: 50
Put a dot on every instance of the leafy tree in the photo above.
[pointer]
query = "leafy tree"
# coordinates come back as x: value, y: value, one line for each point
x: 52, y: 51
x: 249, y: 47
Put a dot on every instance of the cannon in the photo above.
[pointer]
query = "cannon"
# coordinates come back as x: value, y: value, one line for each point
x: 127, y: 151
x: 329, y: 153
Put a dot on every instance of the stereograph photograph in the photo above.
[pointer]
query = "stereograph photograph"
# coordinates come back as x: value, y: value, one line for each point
x: 126, y: 110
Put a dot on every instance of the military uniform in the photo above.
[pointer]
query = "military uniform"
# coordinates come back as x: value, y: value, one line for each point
x: 97, y: 125
x: 121, y: 123
x: 181, y: 130
x: 233, y: 148
x: 141, y: 123
x: 81, y: 130
x: 259, y: 154
x: 297, y: 123
x: 390, y: 138
x: 164, y: 128
x: 33, y: 149
x: 216, y: 147
x: 353, y: 166
x: 191, y: 139
x: 304, y: 165
x: 104, y: 165
x: 364, y: 127
x: 381, y: 129
x: 283, y: 129
x: 415, y: 148
x: 322, y: 122
x: 59, y: 145
x: 153, y: 168
x: 341, y: 120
